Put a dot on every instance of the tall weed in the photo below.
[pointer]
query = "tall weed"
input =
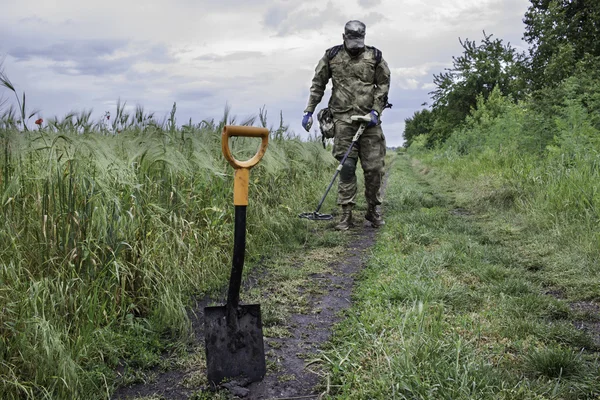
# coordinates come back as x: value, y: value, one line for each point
x: 110, y: 232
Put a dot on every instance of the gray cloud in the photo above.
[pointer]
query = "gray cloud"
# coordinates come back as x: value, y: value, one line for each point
x: 277, y: 15
x: 90, y: 57
x: 33, y: 20
x: 235, y: 56
x: 369, y: 3
x: 194, y: 95
x: 373, y: 18
x: 248, y: 52
x: 406, y: 99
x: 289, y: 19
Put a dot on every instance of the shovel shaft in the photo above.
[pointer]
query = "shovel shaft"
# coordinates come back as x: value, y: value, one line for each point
x: 237, y: 267
x: 240, y: 200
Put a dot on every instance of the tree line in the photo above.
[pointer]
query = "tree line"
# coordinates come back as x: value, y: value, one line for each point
x: 562, y: 62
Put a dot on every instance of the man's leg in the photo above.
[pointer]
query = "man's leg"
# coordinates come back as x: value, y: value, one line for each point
x: 347, y: 183
x: 372, y: 158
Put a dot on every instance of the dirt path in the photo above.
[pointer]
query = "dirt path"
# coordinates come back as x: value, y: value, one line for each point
x: 300, y: 304
x: 293, y: 378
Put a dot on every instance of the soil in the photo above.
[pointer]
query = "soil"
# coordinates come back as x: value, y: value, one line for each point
x: 292, y: 374
x: 589, y: 319
x: 311, y: 331
x: 586, y: 316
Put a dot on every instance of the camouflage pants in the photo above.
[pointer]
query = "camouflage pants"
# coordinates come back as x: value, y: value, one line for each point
x: 370, y: 149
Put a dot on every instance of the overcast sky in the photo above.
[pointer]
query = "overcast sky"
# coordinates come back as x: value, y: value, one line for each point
x: 75, y: 55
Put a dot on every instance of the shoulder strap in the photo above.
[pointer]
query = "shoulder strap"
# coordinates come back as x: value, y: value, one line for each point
x: 378, y: 58
x: 377, y: 54
x: 332, y: 52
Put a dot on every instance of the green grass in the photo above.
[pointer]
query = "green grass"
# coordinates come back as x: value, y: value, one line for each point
x: 107, y: 238
x: 453, y: 304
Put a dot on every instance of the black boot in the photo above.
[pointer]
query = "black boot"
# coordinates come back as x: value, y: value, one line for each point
x: 346, y: 219
x: 374, y: 217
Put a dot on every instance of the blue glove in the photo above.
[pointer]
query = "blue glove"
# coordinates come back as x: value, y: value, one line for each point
x: 307, y: 121
x: 374, y: 119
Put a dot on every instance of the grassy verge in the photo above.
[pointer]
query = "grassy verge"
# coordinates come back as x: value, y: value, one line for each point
x: 107, y: 238
x: 459, y: 300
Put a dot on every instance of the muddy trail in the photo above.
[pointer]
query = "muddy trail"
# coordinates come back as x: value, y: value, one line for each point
x: 300, y: 302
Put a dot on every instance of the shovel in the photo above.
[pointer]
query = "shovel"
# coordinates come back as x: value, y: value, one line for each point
x: 233, y: 333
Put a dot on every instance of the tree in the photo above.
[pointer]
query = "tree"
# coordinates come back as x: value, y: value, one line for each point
x: 419, y: 124
x: 475, y: 73
x: 561, y: 33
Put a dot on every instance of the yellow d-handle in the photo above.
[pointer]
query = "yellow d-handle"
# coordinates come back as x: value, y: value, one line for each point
x: 242, y: 168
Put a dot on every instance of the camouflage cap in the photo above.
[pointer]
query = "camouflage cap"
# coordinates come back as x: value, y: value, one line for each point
x: 354, y: 32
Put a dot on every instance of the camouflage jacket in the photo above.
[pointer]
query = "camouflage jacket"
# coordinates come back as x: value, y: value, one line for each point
x: 358, y: 87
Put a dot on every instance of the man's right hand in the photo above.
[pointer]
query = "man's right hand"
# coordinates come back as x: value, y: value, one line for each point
x: 374, y: 118
x: 307, y: 121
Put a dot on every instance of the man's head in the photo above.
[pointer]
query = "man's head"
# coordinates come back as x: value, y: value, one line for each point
x: 354, y: 36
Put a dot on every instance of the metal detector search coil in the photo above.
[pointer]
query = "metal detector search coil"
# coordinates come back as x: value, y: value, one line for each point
x: 315, y: 216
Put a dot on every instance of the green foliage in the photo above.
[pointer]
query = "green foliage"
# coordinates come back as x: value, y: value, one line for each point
x: 561, y: 33
x: 419, y: 124
x: 582, y: 86
x: 418, y: 144
x: 493, y: 125
x: 109, y: 231
x: 548, y: 153
x: 479, y: 70
x: 563, y: 64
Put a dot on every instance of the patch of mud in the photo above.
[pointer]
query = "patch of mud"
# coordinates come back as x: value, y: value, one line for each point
x: 290, y: 372
x: 556, y: 293
x: 461, y: 212
x: 586, y: 315
x: 587, y: 319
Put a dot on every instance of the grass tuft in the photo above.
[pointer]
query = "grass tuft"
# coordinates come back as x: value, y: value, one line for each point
x: 553, y: 362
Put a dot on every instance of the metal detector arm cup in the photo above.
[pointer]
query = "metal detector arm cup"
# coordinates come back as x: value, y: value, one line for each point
x: 364, y: 119
x: 242, y: 168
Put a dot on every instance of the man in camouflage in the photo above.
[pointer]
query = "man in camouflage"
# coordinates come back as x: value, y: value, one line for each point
x: 361, y: 82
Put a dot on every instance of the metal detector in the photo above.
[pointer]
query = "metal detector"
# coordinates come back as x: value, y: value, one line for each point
x: 316, y: 215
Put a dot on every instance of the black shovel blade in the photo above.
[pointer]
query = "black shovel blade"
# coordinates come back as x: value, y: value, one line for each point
x: 234, y: 350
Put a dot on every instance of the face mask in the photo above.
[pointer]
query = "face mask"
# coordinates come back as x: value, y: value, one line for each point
x: 354, y: 44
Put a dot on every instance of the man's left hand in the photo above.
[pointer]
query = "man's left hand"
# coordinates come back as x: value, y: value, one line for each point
x: 374, y: 119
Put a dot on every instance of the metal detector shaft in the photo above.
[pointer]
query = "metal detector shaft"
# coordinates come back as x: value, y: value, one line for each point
x: 360, y: 131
